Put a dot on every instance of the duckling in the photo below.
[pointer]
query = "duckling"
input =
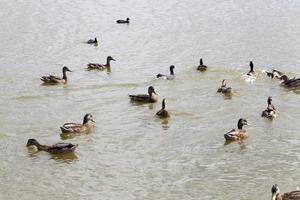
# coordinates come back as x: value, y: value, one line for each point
x: 251, y: 72
x: 76, y: 127
x: 223, y: 89
x: 289, y: 83
x: 270, y: 112
x: 54, y: 149
x: 121, y: 21
x: 168, y: 77
x: 294, y: 195
x: 162, y: 113
x: 145, y: 98
x: 201, y: 67
x: 92, y: 41
x: 239, y: 134
x: 92, y: 66
x: 56, y: 80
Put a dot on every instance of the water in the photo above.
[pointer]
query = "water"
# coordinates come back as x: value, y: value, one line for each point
x: 130, y: 154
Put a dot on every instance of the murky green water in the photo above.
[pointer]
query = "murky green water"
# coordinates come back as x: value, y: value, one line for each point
x: 130, y: 154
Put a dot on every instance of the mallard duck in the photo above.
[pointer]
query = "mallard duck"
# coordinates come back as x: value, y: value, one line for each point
x: 145, y: 98
x: 92, y: 66
x: 168, y: 77
x: 76, y: 127
x: 201, y: 67
x: 224, y: 89
x: 294, y: 195
x: 290, y: 83
x: 92, y: 41
x: 274, y: 74
x: 56, y: 80
x: 121, y: 21
x: 239, y: 134
x: 270, y: 112
x: 162, y: 113
x: 55, y: 149
x: 251, y: 72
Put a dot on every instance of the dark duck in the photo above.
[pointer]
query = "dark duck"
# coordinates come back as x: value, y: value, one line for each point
x: 145, y: 98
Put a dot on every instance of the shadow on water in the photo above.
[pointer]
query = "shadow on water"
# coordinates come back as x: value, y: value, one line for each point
x: 65, y: 157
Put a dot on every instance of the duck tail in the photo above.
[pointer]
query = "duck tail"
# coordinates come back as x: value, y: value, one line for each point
x: 159, y: 75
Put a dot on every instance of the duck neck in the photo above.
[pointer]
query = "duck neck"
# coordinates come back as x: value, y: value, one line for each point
x: 201, y: 62
x: 240, y: 125
x: 171, y: 71
x: 65, y: 75
x: 85, y: 120
x: 41, y: 147
x: 269, y: 101
x: 107, y: 62
x: 163, y: 105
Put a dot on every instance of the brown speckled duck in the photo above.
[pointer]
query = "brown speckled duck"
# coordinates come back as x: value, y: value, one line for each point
x: 92, y: 66
x: 201, y: 67
x: 55, y: 79
x: 290, y: 83
x: 294, y: 195
x: 224, y: 89
x: 76, y: 127
x: 239, y: 134
x: 162, y: 113
x: 145, y: 98
x: 270, y: 112
x: 54, y: 149
x: 274, y: 74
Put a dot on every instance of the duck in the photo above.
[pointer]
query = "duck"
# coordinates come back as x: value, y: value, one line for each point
x: 171, y: 76
x: 55, y: 79
x: 162, y: 113
x: 274, y: 74
x: 201, y: 67
x: 121, y: 21
x: 145, y: 98
x: 92, y: 66
x: 92, y: 41
x: 251, y: 72
x: 76, y: 127
x: 53, y: 149
x: 224, y: 89
x: 239, y: 134
x: 294, y: 195
x: 290, y: 83
x: 270, y: 112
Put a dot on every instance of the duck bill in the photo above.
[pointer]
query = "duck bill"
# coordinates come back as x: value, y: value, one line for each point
x: 113, y: 59
x: 93, y: 120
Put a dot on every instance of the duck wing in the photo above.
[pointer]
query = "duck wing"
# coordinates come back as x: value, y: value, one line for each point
x: 51, y: 79
x: 62, y: 148
x: 71, y: 127
x: 293, y: 82
x: 295, y: 195
x: 92, y: 66
x: 139, y: 97
x: 231, y: 135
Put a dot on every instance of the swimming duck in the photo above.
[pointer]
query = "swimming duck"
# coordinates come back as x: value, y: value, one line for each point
x: 239, y: 134
x: 289, y: 83
x: 145, y: 98
x: 121, y: 21
x: 251, y: 72
x: 168, y: 77
x: 224, y: 89
x: 92, y: 41
x: 92, y: 66
x: 201, y: 67
x: 270, y: 112
x: 294, y: 195
x: 76, y: 127
x: 55, y: 149
x: 162, y: 113
x: 56, y: 80
x: 275, y: 74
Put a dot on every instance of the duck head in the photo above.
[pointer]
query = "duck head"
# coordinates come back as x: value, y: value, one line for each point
x: 224, y: 82
x: 269, y: 100
x: 32, y: 142
x: 241, y: 123
x: 88, y: 117
x: 127, y: 19
x: 95, y: 40
x: 66, y: 69
x: 151, y: 91
x: 109, y: 58
x: 275, y: 191
x: 251, y: 66
x: 284, y: 78
x: 172, y: 67
x: 201, y: 62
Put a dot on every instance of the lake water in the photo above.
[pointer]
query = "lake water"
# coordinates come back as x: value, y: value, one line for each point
x: 131, y: 154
